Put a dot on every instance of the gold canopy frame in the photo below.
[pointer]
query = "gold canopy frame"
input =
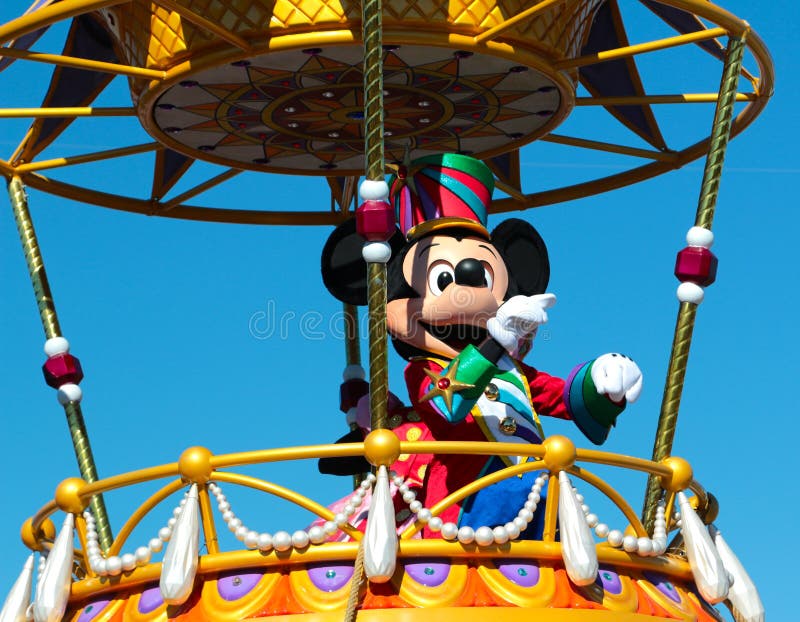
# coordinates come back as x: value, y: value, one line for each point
x: 166, y: 43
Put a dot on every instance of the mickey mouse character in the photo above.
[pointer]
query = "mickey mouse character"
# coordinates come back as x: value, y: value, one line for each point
x: 463, y: 308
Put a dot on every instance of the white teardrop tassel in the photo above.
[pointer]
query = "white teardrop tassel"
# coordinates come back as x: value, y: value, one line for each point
x: 747, y: 605
x: 709, y: 573
x: 52, y: 590
x: 380, y: 537
x: 179, y: 567
x: 577, y: 544
x: 19, y: 598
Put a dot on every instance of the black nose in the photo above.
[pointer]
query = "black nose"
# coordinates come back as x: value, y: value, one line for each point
x: 470, y: 272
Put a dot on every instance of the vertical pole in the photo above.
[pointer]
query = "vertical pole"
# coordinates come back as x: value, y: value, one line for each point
x: 679, y: 355
x: 49, y: 318
x: 352, y: 357
x: 375, y: 171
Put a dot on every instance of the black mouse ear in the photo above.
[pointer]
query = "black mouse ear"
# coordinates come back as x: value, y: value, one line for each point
x: 525, y: 255
x: 344, y: 270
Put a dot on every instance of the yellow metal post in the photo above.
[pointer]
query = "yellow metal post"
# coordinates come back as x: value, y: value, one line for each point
x: 679, y: 356
x: 49, y: 318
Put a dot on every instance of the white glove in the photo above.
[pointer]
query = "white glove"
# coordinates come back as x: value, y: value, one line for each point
x: 517, y: 320
x: 618, y: 377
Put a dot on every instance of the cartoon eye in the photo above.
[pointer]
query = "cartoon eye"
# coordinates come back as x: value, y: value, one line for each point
x: 439, y: 277
x: 487, y: 274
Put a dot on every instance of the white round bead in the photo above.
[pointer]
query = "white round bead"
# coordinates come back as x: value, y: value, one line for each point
x: 601, y: 529
x: 155, y: 545
x: 500, y: 535
x: 539, y: 482
x: 94, y: 562
x: 585, y: 508
x: 630, y: 544
x: 128, y: 561
x: 330, y: 528
x: 300, y: 539
x: 241, y: 533
x: 69, y: 393
x: 224, y: 506
x: 113, y: 565
x: 466, y: 535
x: 373, y: 190
x: 415, y: 506
x: 165, y: 533
x: 264, y: 542
x: 171, y: 522
x: 403, y: 488
x: 699, y: 236
x: 424, y: 515
x: 142, y: 555
x: 316, y: 534
x: 644, y: 546
x: 435, y: 523
x: 520, y: 523
x: 450, y: 531
x: 227, y: 515
x: 484, y: 536
x: 592, y: 520
x: 409, y: 496
x: 690, y: 292
x: 530, y: 505
x: 354, y: 372
x: 92, y: 549
x: 366, y: 484
x: 579, y: 497
x: 376, y: 252
x: 100, y: 567
x: 282, y: 541
x: 535, y: 497
x: 55, y: 346
x: 615, y: 538
x: 340, y: 519
x: 659, y: 545
x: 177, y: 511
x: 234, y: 524
x: 371, y: 477
x: 512, y: 529
x: 251, y: 539
x: 349, y: 510
x: 525, y: 515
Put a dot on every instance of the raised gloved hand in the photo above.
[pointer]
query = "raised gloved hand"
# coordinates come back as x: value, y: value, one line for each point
x: 617, y: 376
x: 517, y: 319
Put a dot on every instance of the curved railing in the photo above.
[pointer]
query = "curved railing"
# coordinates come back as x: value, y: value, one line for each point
x: 198, y: 466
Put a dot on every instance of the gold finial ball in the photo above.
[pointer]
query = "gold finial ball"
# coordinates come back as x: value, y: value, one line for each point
x: 195, y: 465
x: 381, y: 448
x: 69, y: 495
x: 680, y: 474
x: 559, y: 453
x: 32, y: 537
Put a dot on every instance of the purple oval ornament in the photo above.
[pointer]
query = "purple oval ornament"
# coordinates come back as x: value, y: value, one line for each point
x: 609, y: 580
x: 235, y: 585
x: 91, y: 610
x: 524, y: 575
x: 430, y: 572
x: 150, y: 600
x: 664, y: 586
x: 330, y: 577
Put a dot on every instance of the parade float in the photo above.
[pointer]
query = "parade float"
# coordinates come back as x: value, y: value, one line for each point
x: 460, y: 501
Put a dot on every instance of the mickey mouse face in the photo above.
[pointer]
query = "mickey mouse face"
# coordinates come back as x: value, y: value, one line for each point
x: 460, y: 282
x: 442, y: 289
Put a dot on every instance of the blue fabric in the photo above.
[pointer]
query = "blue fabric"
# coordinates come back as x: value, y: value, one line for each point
x: 499, y: 503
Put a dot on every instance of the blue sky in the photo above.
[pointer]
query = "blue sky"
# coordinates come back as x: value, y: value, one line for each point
x: 168, y: 317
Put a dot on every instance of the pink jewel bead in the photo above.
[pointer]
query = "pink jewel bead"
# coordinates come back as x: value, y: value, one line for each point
x: 696, y: 265
x: 375, y: 221
x: 62, y: 369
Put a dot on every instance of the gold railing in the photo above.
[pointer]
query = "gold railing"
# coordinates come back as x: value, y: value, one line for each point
x: 198, y: 466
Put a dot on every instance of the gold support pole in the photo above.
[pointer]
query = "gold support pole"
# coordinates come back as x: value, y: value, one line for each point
x: 49, y: 318
x: 679, y: 356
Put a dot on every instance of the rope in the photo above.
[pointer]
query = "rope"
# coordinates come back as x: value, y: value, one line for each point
x: 373, y: 89
x: 356, y: 585
x: 682, y: 340
x: 49, y: 318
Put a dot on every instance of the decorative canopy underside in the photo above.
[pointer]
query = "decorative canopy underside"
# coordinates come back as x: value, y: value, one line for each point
x: 480, y: 78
